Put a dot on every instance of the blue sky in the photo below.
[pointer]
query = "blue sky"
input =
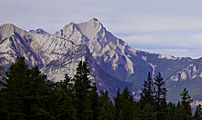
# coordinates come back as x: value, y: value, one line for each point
x: 169, y: 27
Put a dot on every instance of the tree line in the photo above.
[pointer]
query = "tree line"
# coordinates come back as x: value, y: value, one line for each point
x: 26, y: 94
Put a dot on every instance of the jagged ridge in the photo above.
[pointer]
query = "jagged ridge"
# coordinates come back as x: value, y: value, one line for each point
x: 58, y: 54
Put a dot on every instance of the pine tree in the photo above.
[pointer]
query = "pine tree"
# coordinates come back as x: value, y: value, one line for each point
x: 148, y: 112
x: 38, y: 96
x: 106, y: 107
x: 178, y: 111
x: 173, y: 112
x: 124, y: 106
x: 198, y: 113
x: 185, y: 105
x: 15, y: 90
x: 94, y: 101
x: 24, y: 93
x: 83, y: 90
x: 160, y: 97
x: 62, y: 96
x: 147, y: 95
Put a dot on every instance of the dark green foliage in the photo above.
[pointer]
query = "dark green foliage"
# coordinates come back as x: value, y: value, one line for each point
x: 85, y: 93
x: 173, y: 112
x: 62, y: 98
x: 198, y: 113
x: 147, y: 95
x: 160, y: 95
x: 25, y: 94
x: 106, y: 107
x: 94, y: 102
x: 124, y: 105
x: 185, y: 105
x: 148, y: 112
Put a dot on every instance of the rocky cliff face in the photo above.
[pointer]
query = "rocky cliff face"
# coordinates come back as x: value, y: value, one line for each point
x: 113, y: 62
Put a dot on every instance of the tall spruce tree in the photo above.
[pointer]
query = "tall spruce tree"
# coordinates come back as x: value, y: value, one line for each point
x: 83, y: 90
x: 160, y: 97
x: 38, y: 95
x: 24, y: 93
x: 124, y: 106
x: 147, y: 99
x: 173, y: 112
x: 62, y: 100
x: 185, y: 105
x: 106, y: 107
x: 17, y: 87
x: 93, y: 96
x: 147, y: 95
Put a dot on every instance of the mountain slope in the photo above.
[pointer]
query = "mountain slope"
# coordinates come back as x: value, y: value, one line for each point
x: 114, y: 63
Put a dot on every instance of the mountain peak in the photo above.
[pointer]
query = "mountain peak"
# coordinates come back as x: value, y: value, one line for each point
x: 94, y: 20
x: 91, y: 28
x: 71, y: 25
x: 9, y: 29
x: 7, y: 25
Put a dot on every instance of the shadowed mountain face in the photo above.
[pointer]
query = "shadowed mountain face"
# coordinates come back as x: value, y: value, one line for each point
x: 114, y: 64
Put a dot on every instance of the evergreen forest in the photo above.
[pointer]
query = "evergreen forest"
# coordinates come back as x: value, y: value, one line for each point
x: 26, y: 94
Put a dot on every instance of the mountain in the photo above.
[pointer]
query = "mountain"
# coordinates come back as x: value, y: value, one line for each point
x: 114, y: 64
x: 39, y: 31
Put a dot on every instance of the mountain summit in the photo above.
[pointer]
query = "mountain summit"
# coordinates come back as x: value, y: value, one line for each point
x: 113, y: 62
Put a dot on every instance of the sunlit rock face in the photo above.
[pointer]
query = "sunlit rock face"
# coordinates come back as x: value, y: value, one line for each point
x: 114, y: 64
